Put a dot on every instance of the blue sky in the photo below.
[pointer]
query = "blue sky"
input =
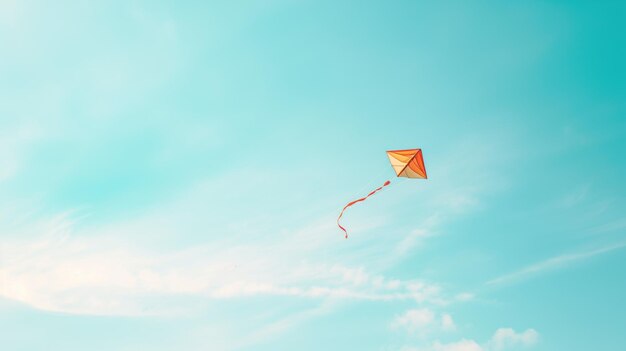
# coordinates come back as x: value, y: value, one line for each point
x: 170, y: 175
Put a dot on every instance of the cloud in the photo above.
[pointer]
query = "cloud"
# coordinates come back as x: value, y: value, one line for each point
x: 284, y: 324
x: 552, y: 264
x: 507, y: 337
x: 462, y: 345
x: 414, y: 320
x: 423, y: 321
x: 413, y: 238
x: 98, y: 273
x: 503, y: 339
x: 447, y: 323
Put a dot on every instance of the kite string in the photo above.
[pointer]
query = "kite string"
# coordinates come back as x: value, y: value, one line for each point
x: 368, y: 185
x: 356, y: 201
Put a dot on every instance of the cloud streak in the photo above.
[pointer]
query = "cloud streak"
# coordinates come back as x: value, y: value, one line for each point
x: 557, y: 262
x: 83, y: 274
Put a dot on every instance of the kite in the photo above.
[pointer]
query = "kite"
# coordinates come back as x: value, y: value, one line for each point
x: 406, y: 163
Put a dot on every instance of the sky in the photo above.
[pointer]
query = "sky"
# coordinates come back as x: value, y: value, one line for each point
x: 171, y: 174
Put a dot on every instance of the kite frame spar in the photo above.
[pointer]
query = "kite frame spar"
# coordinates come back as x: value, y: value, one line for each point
x: 408, y: 163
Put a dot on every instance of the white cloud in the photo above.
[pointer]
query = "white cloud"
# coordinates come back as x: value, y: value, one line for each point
x: 353, y: 276
x: 99, y: 273
x: 462, y: 345
x: 507, y: 337
x: 413, y: 238
x: 503, y: 339
x: 447, y: 323
x: 284, y: 324
x: 423, y: 321
x: 414, y: 320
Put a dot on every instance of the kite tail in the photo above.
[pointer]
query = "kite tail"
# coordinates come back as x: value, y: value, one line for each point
x: 354, y: 202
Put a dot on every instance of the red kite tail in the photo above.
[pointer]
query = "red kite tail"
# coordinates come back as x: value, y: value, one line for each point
x: 355, y: 201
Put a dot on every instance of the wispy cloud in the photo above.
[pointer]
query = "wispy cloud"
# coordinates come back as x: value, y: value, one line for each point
x: 282, y: 325
x: 413, y: 320
x: 68, y: 272
x: 423, y: 321
x: 557, y: 262
x: 503, y: 339
x: 507, y: 337
x: 461, y: 345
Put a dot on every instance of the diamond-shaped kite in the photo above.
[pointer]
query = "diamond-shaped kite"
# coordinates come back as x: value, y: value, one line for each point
x: 406, y: 163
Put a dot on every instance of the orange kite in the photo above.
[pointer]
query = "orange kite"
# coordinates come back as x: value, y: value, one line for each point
x: 406, y: 163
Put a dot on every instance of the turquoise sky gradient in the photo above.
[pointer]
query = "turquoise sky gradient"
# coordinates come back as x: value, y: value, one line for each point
x: 170, y: 175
